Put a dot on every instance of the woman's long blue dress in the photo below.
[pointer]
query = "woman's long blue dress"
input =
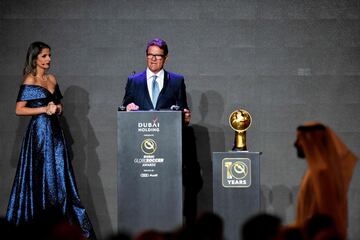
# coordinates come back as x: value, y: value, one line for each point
x: 44, y: 177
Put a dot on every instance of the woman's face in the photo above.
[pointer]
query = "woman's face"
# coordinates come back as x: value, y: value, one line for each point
x: 43, y: 59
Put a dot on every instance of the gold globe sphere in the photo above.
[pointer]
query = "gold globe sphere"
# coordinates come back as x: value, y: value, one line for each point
x: 240, y: 121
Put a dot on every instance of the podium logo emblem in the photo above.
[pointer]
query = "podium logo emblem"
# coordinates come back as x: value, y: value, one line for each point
x: 236, y: 172
x: 148, y: 146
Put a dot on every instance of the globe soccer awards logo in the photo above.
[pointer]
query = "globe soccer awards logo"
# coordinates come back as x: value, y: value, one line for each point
x: 148, y: 146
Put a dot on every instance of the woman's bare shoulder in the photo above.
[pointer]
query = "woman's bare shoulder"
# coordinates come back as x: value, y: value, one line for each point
x: 29, y: 79
x: 52, y: 78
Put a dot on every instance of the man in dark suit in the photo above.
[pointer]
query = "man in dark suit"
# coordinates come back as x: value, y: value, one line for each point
x: 155, y: 88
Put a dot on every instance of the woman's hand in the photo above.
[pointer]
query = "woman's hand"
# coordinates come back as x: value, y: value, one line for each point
x: 59, y: 109
x: 51, y: 108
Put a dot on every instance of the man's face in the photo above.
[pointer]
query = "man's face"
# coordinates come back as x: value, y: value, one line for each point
x: 299, y: 149
x: 155, y: 59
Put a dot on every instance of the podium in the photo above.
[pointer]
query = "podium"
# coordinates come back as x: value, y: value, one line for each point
x: 149, y: 170
x: 236, y: 188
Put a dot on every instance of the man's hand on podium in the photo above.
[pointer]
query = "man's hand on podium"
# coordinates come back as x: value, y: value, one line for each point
x: 187, y: 116
x: 132, y: 107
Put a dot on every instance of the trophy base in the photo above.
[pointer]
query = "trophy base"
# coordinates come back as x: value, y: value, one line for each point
x: 239, y: 149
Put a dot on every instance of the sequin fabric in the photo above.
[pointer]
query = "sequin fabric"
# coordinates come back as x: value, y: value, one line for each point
x: 44, y: 177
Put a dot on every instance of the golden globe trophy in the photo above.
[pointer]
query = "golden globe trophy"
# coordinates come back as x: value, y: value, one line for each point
x: 240, y: 121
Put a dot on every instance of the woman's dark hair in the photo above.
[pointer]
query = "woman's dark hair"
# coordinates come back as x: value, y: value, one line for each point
x: 33, y: 51
x: 160, y: 43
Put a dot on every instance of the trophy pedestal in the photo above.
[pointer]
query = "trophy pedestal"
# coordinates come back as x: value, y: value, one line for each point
x: 236, y: 188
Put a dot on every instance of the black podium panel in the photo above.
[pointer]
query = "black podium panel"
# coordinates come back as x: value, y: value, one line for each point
x: 236, y: 188
x: 149, y: 170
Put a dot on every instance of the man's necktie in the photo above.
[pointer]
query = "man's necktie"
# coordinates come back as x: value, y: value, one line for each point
x: 155, y: 91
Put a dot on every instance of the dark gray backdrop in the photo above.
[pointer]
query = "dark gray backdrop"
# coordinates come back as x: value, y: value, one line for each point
x: 284, y: 61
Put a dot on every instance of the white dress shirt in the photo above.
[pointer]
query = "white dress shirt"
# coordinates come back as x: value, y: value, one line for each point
x: 159, y: 79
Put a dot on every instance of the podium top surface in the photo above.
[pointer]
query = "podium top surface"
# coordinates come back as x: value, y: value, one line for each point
x: 152, y: 111
x: 237, y: 152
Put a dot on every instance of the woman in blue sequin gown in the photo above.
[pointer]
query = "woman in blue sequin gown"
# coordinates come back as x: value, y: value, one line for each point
x: 44, y: 177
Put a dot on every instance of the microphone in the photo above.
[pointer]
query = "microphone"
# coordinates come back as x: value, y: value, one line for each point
x: 175, y: 108
x: 122, y: 108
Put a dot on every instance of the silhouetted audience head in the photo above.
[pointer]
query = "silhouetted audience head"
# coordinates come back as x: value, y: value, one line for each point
x: 66, y: 231
x: 291, y: 233
x: 150, y: 235
x: 262, y: 226
x: 321, y: 227
x: 119, y: 236
x: 207, y: 226
x: 49, y: 224
x: 8, y: 230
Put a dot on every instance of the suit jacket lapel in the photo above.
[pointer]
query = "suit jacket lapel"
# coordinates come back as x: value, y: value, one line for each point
x: 166, y: 81
x: 165, y: 85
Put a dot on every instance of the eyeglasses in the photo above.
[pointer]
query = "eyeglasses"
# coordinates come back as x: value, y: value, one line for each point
x: 156, y: 56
